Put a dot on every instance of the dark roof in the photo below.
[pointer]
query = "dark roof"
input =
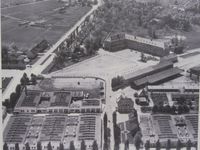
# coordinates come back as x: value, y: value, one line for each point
x: 125, y: 100
x: 158, y: 76
x: 196, y: 68
x: 148, y: 69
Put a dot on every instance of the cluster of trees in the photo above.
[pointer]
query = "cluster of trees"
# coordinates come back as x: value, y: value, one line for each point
x: 10, y: 61
x: 49, y: 146
x: 26, y: 81
x: 10, y: 103
x: 171, y: 109
x: 73, y: 51
x: 117, y: 83
x: 177, y: 23
x: 14, y: 96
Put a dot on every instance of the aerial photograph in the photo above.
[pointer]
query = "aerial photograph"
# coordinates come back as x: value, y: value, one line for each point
x: 100, y: 74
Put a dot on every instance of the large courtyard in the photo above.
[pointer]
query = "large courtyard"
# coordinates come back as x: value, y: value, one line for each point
x: 107, y: 64
x: 26, y: 25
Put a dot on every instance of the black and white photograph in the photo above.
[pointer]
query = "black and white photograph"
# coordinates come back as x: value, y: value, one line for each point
x: 100, y: 74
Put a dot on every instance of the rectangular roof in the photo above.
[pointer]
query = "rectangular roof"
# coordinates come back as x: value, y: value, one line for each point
x: 158, y: 76
x: 145, y: 41
x: 147, y: 70
x: 136, y: 39
x: 196, y: 68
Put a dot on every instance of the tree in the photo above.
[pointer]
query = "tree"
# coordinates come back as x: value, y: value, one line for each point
x: 16, y: 146
x: 155, y: 109
x: 147, y: 145
x: 117, y: 133
x: 105, y: 119
x: 135, y: 130
x: 33, y: 79
x: 173, y: 109
x: 116, y: 146
x: 167, y: 109
x: 186, y: 26
x: 178, y: 145
x: 4, y: 54
x: 137, y: 141
x: 126, y: 145
x: 61, y: 147
x: 18, y: 90
x: 117, y: 82
x: 95, y: 145
x: 39, y: 146
x: 72, y: 147
x: 186, y: 108
x: 105, y: 146
x: 27, y: 146
x: 24, y: 81
x: 168, y: 144
x: 49, y: 147
x: 114, y: 118
x: 158, y: 145
x: 5, y: 146
x: 180, y: 109
x: 142, y: 57
x: 189, y: 145
x: 13, y: 99
x: 6, y: 103
x: 83, y: 146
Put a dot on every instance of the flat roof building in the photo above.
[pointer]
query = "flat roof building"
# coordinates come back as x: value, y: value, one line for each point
x: 45, y: 98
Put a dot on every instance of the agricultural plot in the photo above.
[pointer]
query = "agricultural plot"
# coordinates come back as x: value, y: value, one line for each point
x: 16, y: 129
x: 27, y: 25
x: 193, y: 124
x: 165, y: 127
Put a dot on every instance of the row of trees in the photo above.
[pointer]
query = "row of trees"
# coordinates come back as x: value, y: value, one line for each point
x: 106, y: 133
x: 171, y: 109
x: 117, y: 131
x: 178, y: 145
x: 49, y: 146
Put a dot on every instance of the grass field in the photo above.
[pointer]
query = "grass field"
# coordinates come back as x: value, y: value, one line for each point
x: 51, y: 24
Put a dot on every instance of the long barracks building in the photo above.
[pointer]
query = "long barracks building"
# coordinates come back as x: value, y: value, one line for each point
x: 149, y: 46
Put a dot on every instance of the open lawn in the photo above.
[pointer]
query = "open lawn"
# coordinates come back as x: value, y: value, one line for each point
x: 50, y: 24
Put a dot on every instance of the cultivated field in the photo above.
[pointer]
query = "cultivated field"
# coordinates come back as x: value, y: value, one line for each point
x: 26, y: 25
